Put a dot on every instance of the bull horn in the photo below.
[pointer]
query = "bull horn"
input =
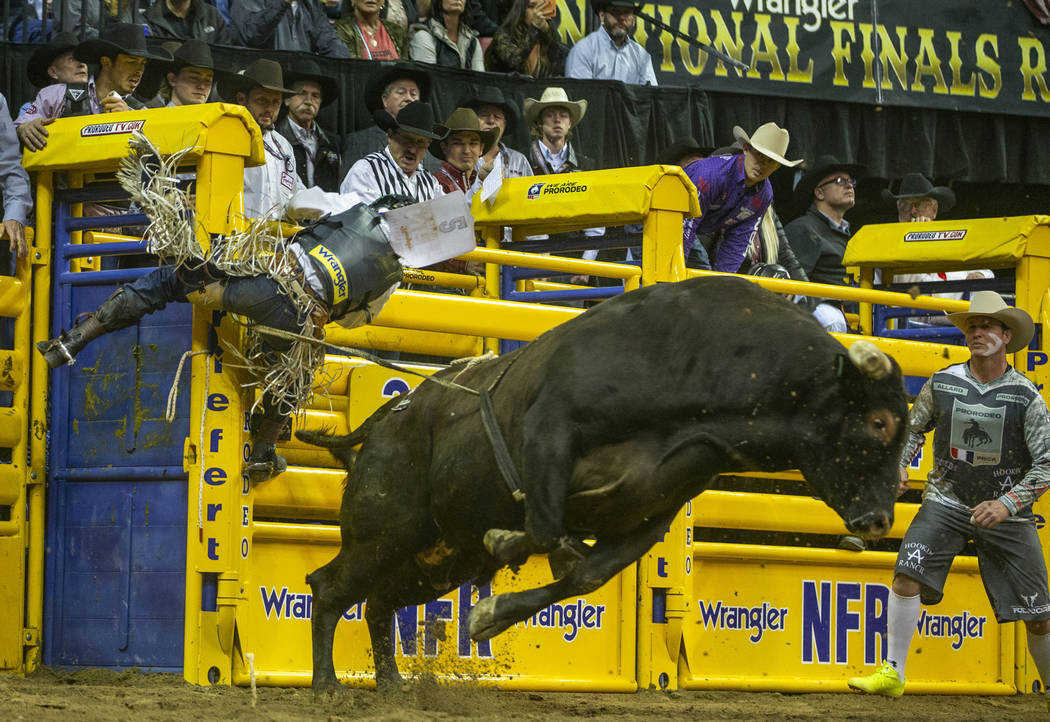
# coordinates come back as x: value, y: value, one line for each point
x: 870, y: 360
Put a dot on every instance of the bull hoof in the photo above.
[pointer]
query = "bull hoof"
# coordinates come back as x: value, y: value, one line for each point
x: 510, y: 547
x: 484, y: 624
x: 327, y: 686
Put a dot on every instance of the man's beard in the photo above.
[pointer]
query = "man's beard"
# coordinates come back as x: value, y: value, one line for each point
x: 616, y: 33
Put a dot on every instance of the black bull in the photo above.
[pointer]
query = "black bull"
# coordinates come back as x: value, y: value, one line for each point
x: 623, y: 414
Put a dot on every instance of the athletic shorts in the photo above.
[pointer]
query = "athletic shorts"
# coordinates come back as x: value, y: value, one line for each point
x: 1009, y: 556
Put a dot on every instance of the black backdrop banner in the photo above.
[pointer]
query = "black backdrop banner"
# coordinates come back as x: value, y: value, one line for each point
x: 982, y: 55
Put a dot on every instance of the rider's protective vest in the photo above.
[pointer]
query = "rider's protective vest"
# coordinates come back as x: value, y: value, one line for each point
x: 352, y: 256
x: 75, y: 101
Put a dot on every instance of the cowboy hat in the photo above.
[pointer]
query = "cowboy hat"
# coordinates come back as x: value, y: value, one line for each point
x: 119, y: 39
x: 417, y: 117
x: 824, y: 166
x: 308, y: 69
x: 43, y: 56
x: 465, y: 119
x: 193, y: 53
x: 672, y: 154
x: 600, y: 5
x: 915, y: 185
x: 388, y: 73
x: 491, y: 95
x: 554, y: 98
x: 770, y: 140
x: 992, y: 305
x: 262, y: 73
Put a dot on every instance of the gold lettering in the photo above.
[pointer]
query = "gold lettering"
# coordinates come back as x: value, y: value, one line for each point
x: 725, y: 42
x: 841, y: 50
x: 988, y: 64
x: 795, y: 74
x: 640, y: 33
x: 764, y: 50
x: 867, y: 55
x: 666, y: 39
x: 1033, y: 70
x: 692, y: 17
x: 893, y: 57
x: 927, y: 64
x: 959, y: 86
x: 571, y: 14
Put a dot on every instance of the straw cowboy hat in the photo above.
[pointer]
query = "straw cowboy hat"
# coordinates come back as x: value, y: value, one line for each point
x: 991, y: 304
x: 119, y: 39
x: 460, y: 120
x: 417, y: 117
x: 266, y: 74
x: 915, y: 185
x: 308, y: 69
x: 824, y: 166
x: 554, y: 98
x: 42, y: 57
x: 770, y: 140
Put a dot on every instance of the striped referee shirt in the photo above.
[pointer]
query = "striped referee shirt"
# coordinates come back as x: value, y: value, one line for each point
x: 377, y: 175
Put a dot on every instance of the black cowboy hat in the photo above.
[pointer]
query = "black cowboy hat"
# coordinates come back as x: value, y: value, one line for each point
x: 465, y: 119
x: 193, y: 53
x: 117, y: 39
x: 416, y: 117
x: 915, y: 185
x: 681, y: 148
x: 43, y: 56
x: 822, y: 167
x: 491, y: 95
x: 308, y: 69
x: 600, y: 5
x: 261, y: 73
x: 388, y: 73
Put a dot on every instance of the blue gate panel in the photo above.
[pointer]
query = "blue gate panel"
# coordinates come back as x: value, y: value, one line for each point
x: 118, y: 574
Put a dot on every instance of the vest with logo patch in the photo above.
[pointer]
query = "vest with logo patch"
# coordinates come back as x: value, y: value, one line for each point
x: 979, y: 433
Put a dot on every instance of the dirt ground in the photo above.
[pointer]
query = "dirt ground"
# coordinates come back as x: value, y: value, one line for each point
x: 104, y: 695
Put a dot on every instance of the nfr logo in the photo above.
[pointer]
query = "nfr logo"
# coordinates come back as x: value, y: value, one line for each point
x: 534, y: 190
x: 394, y: 387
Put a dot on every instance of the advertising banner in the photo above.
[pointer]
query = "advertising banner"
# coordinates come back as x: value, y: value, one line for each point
x: 986, y: 56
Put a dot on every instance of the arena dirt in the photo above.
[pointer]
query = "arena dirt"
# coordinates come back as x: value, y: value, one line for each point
x: 103, y: 695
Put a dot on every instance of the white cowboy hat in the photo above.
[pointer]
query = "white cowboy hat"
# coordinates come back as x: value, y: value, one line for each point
x: 991, y: 304
x: 770, y: 140
x: 554, y: 97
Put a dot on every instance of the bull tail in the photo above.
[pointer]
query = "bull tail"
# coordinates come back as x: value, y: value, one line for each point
x: 342, y: 447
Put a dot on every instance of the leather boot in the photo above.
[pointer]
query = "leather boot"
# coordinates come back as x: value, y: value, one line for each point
x: 63, y: 350
x: 264, y: 462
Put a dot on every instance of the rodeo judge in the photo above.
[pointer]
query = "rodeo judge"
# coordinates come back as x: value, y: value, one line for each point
x: 991, y: 444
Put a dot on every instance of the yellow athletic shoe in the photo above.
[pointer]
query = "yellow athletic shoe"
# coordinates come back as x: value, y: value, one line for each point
x: 885, y: 681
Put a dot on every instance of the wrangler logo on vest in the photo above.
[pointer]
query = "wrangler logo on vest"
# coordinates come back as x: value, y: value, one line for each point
x: 335, y: 272
x: 127, y: 126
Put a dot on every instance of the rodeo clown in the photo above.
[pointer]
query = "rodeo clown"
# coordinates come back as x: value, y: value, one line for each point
x: 991, y: 446
x: 341, y: 268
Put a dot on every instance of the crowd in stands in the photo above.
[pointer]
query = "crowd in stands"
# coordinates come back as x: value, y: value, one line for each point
x: 91, y: 59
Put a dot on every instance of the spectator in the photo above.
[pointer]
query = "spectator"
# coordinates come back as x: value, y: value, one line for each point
x: 269, y: 187
x: 367, y: 36
x: 316, y: 150
x: 14, y: 186
x: 89, y: 19
x: 610, y: 53
x: 819, y: 236
x: 734, y: 193
x: 460, y: 152
x: 396, y: 169
x: 919, y: 201
x: 687, y: 151
x: 121, y: 55
x: 54, y: 63
x: 402, y: 13
x: 444, y: 39
x: 192, y: 73
x: 551, y: 120
x: 26, y: 21
x: 185, y: 19
x: 496, y: 112
x: 527, y: 42
x: 390, y: 89
x: 286, y: 25
x: 991, y: 462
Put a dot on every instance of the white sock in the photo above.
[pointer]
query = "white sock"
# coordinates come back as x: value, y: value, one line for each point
x: 902, y: 616
x: 1039, y: 648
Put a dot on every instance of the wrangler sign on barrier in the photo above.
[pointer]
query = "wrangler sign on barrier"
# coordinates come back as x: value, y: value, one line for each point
x: 687, y: 615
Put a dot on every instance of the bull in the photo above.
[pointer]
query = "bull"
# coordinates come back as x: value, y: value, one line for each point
x: 614, y: 420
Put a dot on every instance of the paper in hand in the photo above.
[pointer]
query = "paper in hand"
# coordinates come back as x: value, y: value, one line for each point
x: 436, y: 230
